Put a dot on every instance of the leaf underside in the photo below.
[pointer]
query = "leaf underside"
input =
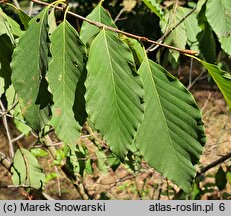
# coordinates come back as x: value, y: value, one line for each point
x: 221, y: 78
x: 26, y: 170
x: 16, y: 112
x: 113, y: 91
x: 29, y: 66
x: 218, y: 13
x: 171, y: 135
x: 64, y: 73
x: 89, y: 31
x: 178, y: 36
x: 5, y: 26
x: 155, y: 7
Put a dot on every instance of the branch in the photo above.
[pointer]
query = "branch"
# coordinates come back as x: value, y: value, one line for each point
x: 196, y: 79
x: 213, y: 164
x: 158, y: 191
x: 119, y: 14
x: 18, y: 137
x: 36, y: 194
x: 152, y: 47
x: 31, y: 9
x: 16, y: 4
x: 13, y: 117
x: 5, y: 161
x: 76, y: 180
x: 100, y: 25
x: 205, y: 169
x: 5, y: 123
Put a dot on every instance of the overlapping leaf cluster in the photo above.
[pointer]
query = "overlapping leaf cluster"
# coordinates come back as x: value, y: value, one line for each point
x: 63, y: 79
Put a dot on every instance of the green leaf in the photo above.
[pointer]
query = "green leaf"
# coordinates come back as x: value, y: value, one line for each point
x: 171, y: 135
x: 133, y: 161
x: 15, y: 27
x: 221, y: 78
x: 220, y: 179
x: 26, y: 170
x: 226, y: 44
x: 65, y: 69
x: 101, y: 160
x: 38, y: 152
x: 89, y: 31
x: 196, y: 192
x: 201, y: 17
x: 29, y: 66
x: 75, y: 160
x: 10, y: 24
x: 192, y: 29
x: 208, y: 44
x: 60, y: 156
x: 178, y: 37
x: 2, y: 85
x: 24, y: 18
x: 52, y: 21
x: 114, y: 95
x: 200, y: 4
x: 228, y: 177
x: 155, y: 7
x: 88, y: 166
x: 218, y: 13
x: 16, y: 112
x: 113, y: 162
x: 80, y: 103
x: 51, y: 176
x: 136, y: 49
x: 6, y: 48
x: 5, y: 26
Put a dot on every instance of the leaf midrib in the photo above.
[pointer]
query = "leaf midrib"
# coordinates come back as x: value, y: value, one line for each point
x: 112, y: 77
x: 40, y: 39
x: 162, y: 112
x: 63, y: 73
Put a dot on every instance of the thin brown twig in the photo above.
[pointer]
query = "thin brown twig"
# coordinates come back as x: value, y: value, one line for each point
x: 215, y: 146
x: 139, y: 192
x: 5, y: 161
x: 58, y: 181
x: 5, y: 123
x: 207, y: 101
x: 31, y: 8
x: 16, y: 4
x: 190, y: 72
x: 26, y: 162
x: 154, y: 47
x: 75, y: 180
x: 213, y: 164
x: 205, y: 169
x: 196, y: 79
x: 158, y: 191
x: 119, y: 14
x: 167, y: 191
x: 42, y: 145
x: 125, y: 178
x: 101, y: 25
x: 13, y: 117
x: 18, y: 138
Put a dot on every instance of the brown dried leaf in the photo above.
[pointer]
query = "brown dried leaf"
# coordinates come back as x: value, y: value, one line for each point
x: 129, y: 4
